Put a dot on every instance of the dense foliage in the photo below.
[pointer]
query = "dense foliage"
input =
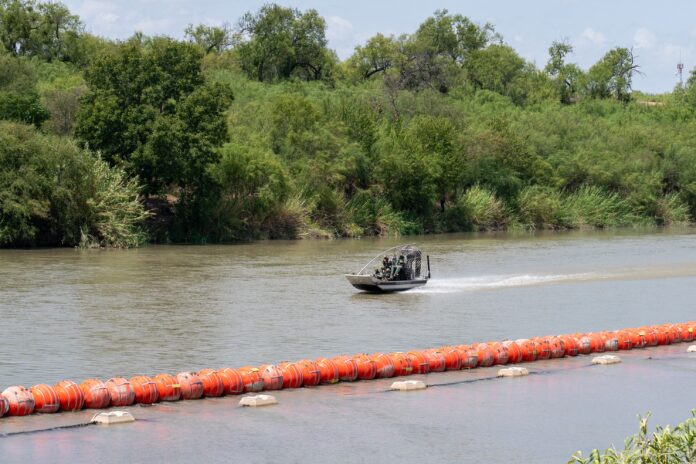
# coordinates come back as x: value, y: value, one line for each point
x: 259, y: 130
x: 664, y: 446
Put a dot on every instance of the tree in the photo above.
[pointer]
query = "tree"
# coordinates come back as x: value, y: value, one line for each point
x: 566, y: 76
x: 19, y: 100
x: 279, y: 42
x: 211, y: 39
x: 45, y: 30
x: 150, y: 109
x: 377, y: 56
x: 612, y: 75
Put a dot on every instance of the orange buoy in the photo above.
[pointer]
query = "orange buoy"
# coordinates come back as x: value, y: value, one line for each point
x: 452, y: 360
x: 384, y: 366
x: 20, y: 400
x: 543, y: 348
x: 638, y: 339
x: 484, y: 353
x: 650, y: 336
x: 500, y: 353
x: 292, y: 374
x: 213, y: 386
x: 555, y: 346
x: 95, y: 393
x: 4, y: 405
x: 624, y: 338
x: 272, y: 377
x: 687, y: 332
x: 253, y: 382
x: 596, y: 343
x: 232, y: 381
x: 570, y: 345
x: 468, y: 356
x: 145, y: 389
x: 402, y: 364
x: 661, y: 335
x: 514, y: 352
x: 69, y: 395
x: 436, y: 360
x: 45, y: 399
x: 190, y: 385
x: 168, y: 388
x: 328, y: 370
x: 120, y: 391
x: 367, y: 370
x: 311, y: 375
x: 675, y: 333
x: 528, y: 349
x: 419, y: 362
x: 611, y: 341
x: 584, y: 344
x: 347, y: 368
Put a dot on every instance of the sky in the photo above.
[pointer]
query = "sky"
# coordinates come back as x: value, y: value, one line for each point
x: 660, y: 33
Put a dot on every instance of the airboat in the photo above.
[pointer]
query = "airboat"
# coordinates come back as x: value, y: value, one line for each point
x: 393, y: 270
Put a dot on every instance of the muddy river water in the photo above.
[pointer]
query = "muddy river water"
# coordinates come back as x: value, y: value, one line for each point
x: 75, y: 314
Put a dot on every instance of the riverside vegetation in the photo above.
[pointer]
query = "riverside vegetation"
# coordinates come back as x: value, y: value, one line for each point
x: 260, y: 131
x: 665, y: 446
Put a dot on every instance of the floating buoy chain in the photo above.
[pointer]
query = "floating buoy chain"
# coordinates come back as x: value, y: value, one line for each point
x: 67, y: 395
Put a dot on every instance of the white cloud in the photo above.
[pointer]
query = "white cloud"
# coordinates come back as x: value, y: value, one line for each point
x: 154, y: 26
x: 338, y: 28
x: 644, y: 38
x: 592, y: 36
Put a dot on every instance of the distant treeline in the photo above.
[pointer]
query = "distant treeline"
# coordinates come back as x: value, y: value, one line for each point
x: 258, y: 130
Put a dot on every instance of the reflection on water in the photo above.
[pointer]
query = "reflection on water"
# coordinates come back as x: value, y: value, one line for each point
x: 78, y: 314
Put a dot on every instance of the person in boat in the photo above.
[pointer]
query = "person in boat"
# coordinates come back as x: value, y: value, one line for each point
x: 398, y: 269
x: 385, y: 271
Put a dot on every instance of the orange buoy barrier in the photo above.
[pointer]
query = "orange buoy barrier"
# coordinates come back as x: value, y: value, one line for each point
x: 121, y: 391
x: 468, y: 356
x: 384, y: 367
x: 168, y: 388
x: 367, y: 370
x: 328, y: 370
x: 145, y: 389
x: 514, y: 352
x: 213, y: 386
x: 232, y: 381
x: 20, y: 400
x: 190, y: 385
x: 292, y: 374
x: 251, y: 377
x: 347, y: 368
x: 272, y: 377
x: 436, y: 360
x: 69, y: 395
x: 95, y: 393
x: 402, y: 364
x: 419, y: 362
x: 45, y: 399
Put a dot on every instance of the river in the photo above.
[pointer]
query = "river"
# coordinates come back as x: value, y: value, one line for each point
x: 75, y: 314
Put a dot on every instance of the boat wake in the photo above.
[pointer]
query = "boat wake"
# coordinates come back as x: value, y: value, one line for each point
x: 464, y: 284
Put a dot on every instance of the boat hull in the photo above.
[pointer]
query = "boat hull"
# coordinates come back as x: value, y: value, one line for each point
x: 374, y: 285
